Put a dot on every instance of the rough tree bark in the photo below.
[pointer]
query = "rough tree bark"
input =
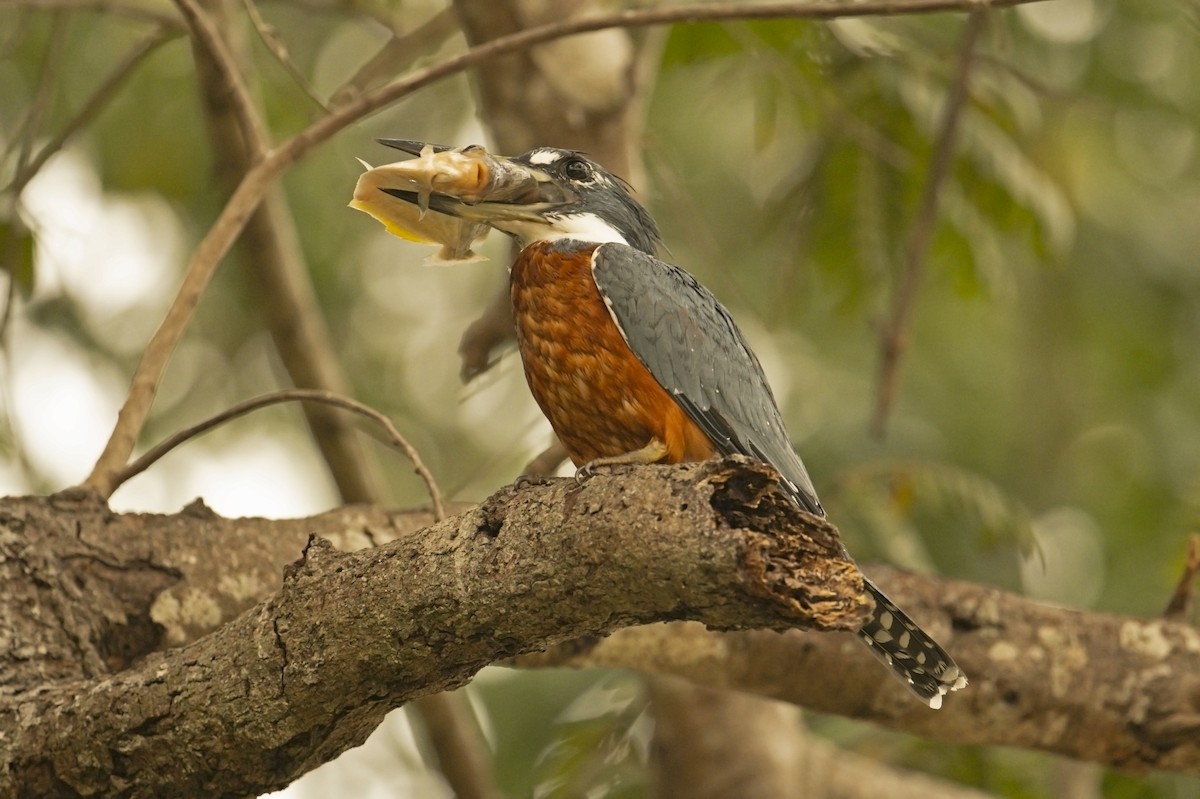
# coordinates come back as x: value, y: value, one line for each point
x: 309, y: 672
x: 91, y: 603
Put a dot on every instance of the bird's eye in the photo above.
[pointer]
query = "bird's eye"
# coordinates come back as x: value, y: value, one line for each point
x: 577, y: 169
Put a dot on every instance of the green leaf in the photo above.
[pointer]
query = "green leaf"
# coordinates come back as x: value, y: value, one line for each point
x: 599, y: 749
x: 17, y: 249
x: 691, y: 43
x: 921, y: 513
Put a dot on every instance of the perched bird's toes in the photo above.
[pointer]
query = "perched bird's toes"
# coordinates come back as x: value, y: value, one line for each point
x: 530, y: 480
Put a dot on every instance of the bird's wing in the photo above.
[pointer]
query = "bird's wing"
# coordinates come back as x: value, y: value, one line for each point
x: 693, y: 348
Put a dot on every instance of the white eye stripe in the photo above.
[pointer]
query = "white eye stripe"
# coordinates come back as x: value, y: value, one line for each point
x: 545, y: 157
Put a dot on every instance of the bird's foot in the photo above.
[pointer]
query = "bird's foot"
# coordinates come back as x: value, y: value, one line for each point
x: 587, y: 471
x: 530, y: 480
x: 651, y: 453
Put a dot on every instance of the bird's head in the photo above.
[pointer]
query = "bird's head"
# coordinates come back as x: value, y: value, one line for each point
x: 544, y: 195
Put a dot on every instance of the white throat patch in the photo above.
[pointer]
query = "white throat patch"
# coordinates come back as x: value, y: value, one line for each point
x: 584, y: 227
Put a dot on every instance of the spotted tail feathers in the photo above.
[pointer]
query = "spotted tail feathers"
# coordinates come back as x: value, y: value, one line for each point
x: 918, y: 660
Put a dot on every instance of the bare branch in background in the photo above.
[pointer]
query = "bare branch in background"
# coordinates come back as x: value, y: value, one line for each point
x: 139, y: 11
x: 103, y: 94
x: 463, y: 757
x: 398, y: 52
x: 492, y: 330
x: 1184, y: 595
x: 26, y: 132
x: 894, y: 333
x: 547, y: 461
x: 279, y: 49
x: 731, y: 743
x: 29, y: 128
x: 222, y: 59
x: 394, y: 437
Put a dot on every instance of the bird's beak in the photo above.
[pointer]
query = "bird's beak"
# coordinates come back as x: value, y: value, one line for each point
x: 470, y: 183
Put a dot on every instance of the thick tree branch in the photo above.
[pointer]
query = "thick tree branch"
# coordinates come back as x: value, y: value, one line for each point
x: 1109, y: 689
x: 83, y: 591
x: 311, y: 671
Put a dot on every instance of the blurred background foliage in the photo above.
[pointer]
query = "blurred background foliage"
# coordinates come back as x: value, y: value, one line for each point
x: 1046, y: 437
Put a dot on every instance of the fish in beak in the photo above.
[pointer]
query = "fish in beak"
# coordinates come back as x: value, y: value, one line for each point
x: 442, y: 196
x: 451, y: 196
x: 406, y: 213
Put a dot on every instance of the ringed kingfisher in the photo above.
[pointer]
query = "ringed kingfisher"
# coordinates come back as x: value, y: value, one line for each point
x: 630, y: 358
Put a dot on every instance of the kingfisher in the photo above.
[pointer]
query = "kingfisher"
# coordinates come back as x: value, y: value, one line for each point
x: 630, y: 358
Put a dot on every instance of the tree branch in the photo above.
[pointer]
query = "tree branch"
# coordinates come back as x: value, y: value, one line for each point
x: 311, y: 671
x: 893, y: 335
x: 109, y: 589
x: 95, y: 103
x: 399, y: 51
x: 293, y: 395
x: 1109, y: 689
x: 138, y: 11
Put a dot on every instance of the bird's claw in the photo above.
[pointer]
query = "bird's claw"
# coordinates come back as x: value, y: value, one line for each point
x: 586, y: 472
x: 530, y: 480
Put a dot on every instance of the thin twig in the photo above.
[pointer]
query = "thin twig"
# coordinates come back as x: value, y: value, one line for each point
x: 206, y: 33
x: 376, y: 12
x: 291, y: 395
x: 396, y: 52
x: 1185, y: 590
x: 94, y: 105
x: 30, y: 125
x: 275, y: 258
x: 257, y: 181
x: 132, y: 10
x: 27, y: 132
x: 278, y: 47
x: 893, y: 336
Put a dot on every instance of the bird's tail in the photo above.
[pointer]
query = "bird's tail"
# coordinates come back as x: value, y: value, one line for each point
x: 918, y: 660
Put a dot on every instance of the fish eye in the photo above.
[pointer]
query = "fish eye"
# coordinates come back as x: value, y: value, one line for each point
x: 577, y: 169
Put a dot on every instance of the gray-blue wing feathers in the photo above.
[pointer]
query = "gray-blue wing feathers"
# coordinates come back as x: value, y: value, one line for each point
x: 693, y: 348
